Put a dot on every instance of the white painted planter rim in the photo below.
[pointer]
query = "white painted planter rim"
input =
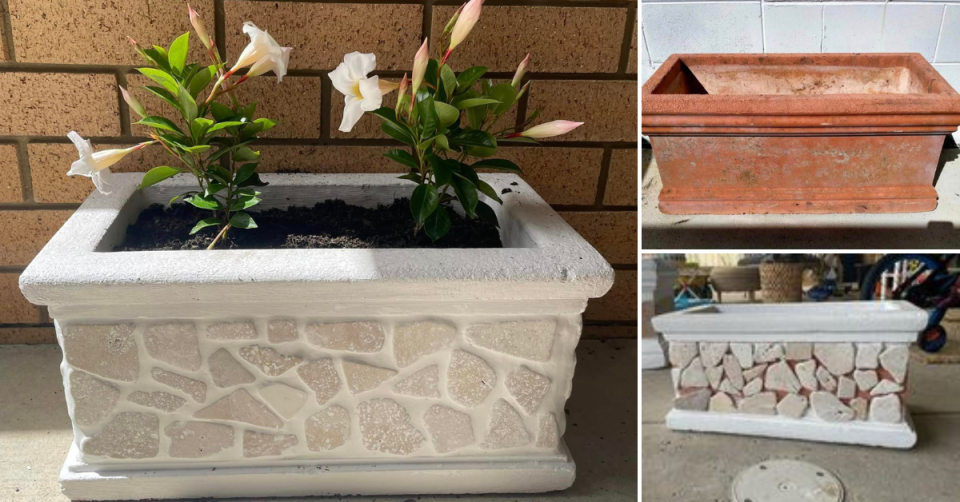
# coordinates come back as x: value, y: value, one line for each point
x: 546, y: 259
x: 889, y: 321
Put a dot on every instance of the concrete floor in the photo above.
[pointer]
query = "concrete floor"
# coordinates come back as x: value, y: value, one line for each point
x: 602, y: 428
x: 938, y: 229
x: 688, y: 467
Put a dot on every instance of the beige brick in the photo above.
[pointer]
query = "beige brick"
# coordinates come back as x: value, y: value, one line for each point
x: 50, y: 162
x: 26, y: 232
x: 559, y: 175
x: 558, y: 39
x: 327, y: 159
x: 613, y: 233
x: 321, y: 33
x: 622, y: 179
x: 632, y: 62
x: 609, y: 108
x: 609, y: 332
x: 620, y: 303
x: 14, y: 308
x: 29, y: 336
x: 53, y: 104
x: 10, y: 190
x: 294, y: 104
x: 96, y: 31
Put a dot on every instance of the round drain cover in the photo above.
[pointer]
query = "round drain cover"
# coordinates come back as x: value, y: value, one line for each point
x: 786, y: 481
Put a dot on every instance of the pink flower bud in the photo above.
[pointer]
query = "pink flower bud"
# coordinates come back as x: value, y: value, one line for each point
x: 133, y: 103
x: 550, y: 129
x: 420, y: 67
x: 402, y: 92
x: 453, y: 19
x: 198, y: 27
x: 468, y: 18
x: 518, y: 76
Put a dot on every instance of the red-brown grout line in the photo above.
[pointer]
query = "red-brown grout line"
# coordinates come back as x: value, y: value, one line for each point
x: 627, y: 41
x: 602, y: 178
x: 7, y: 21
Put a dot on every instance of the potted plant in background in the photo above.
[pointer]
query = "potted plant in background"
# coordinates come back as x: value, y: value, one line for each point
x: 270, y: 372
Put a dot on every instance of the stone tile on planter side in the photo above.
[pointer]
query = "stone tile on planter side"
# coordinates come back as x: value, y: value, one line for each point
x: 385, y: 426
x: 127, y: 435
x: 328, y: 429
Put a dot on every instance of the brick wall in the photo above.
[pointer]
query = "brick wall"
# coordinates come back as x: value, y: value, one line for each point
x: 61, y: 60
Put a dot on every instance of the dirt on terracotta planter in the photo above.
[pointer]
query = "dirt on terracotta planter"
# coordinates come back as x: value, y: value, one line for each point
x: 330, y: 224
x: 798, y: 133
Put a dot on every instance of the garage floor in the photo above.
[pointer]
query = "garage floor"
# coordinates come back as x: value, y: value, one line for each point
x: 35, y: 430
x: 688, y: 467
x: 938, y: 229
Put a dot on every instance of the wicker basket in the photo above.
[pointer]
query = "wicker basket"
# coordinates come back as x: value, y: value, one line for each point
x: 781, y: 282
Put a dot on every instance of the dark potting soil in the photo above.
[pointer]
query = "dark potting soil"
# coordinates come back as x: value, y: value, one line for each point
x: 329, y: 224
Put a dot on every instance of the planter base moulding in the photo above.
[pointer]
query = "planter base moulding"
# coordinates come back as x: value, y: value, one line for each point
x: 283, y: 372
x: 651, y: 354
x: 798, y: 133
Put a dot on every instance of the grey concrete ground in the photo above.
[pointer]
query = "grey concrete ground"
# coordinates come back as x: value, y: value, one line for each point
x: 939, y: 229
x: 688, y: 467
x: 602, y: 427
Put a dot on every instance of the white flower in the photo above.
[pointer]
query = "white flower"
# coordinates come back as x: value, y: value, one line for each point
x: 95, y: 164
x: 262, y: 47
x: 270, y: 62
x: 361, y: 93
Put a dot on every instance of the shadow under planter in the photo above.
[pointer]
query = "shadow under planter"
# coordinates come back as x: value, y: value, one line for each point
x: 292, y: 372
x: 798, y: 133
x: 833, y: 372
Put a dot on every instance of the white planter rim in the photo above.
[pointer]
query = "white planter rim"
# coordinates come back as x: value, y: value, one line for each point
x: 857, y: 321
x: 547, y: 258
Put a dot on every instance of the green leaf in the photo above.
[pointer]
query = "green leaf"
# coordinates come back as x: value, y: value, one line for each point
x: 164, y: 94
x: 205, y: 202
x: 498, y: 164
x: 160, y: 123
x: 414, y: 177
x: 520, y: 139
x: 197, y: 148
x: 487, y: 214
x: 253, y: 181
x: 199, y: 126
x: 487, y: 190
x: 430, y: 77
x: 248, y: 111
x: 161, y: 77
x: 446, y: 113
x: 404, y: 157
x: 187, y: 104
x: 423, y: 202
x: 242, y: 220
x: 244, y: 203
x: 245, y: 155
x: 506, y: 95
x: 470, y: 103
x: 213, y: 188
x: 223, y: 125
x: 467, y: 77
x: 449, y: 80
x: 466, y: 193
x: 474, y: 138
x: 244, y: 173
x: 184, y: 194
x: 437, y: 224
x: 223, y: 151
x: 221, y: 112
x: 158, y: 56
x: 428, y: 117
x: 201, y: 80
x: 397, y: 132
x: 266, y: 124
x: 177, y: 55
x: 443, y: 170
x: 442, y: 142
x: 156, y: 175
x: 204, y: 223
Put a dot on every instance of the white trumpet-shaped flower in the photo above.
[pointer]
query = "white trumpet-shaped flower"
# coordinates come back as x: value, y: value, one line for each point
x: 95, y: 164
x: 361, y: 93
x: 262, y: 51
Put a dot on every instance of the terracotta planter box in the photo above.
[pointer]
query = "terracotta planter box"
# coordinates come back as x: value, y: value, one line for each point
x: 291, y: 372
x: 834, y: 372
x: 797, y: 133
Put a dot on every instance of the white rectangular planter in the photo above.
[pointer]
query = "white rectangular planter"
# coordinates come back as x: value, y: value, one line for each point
x: 833, y: 372
x: 656, y: 297
x: 316, y: 371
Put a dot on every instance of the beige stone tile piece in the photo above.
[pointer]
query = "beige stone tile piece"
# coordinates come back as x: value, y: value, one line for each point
x: 258, y: 444
x: 412, y: 341
x: 469, y: 379
x: 385, y: 426
x: 269, y: 361
x: 162, y: 401
x: 357, y: 336
x: 423, y: 383
x: 322, y: 378
x: 106, y: 350
x: 448, y: 428
x: 364, y: 377
x: 531, y: 340
x: 174, y: 343
x: 196, y: 389
x: 127, y: 435
x: 198, y: 439
x: 528, y: 387
x: 327, y: 429
x: 506, y: 429
x: 93, y: 399
x: 240, y: 406
x: 227, y: 371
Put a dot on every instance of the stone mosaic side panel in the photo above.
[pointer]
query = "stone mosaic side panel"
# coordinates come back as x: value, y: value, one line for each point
x: 832, y: 382
x: 238, y: 389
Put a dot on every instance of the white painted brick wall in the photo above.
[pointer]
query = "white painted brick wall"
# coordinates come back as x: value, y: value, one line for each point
x: 931, y: 28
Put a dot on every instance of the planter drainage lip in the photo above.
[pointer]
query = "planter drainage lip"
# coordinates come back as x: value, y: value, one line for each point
x: 860, y: 321
x: 553, y: 263
x: 674, y: 101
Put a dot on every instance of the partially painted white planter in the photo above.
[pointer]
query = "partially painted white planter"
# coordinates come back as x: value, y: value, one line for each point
x: 656, y: 297
x: 833, y: 372
x: 316, y: 372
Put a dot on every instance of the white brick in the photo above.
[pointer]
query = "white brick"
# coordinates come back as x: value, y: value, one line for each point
x: 710, y: 27
x: 949, y: 51
x: 852, y: 28
x: 912, y: 28
x: 793, y: 28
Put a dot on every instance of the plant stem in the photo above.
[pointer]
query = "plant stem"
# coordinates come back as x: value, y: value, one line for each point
x: 217, y: 238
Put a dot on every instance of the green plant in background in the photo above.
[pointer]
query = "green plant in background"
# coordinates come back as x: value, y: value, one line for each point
x: 212, y: 143
x: 444, y: 120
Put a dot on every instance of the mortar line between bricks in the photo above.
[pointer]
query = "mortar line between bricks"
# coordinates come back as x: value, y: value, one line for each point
x: 326, y: 96
x: 11, y: 269
x: 571, y: 208
x: 8, y: 30
x: 26, y: 178
x: 124, y: 108
x: 219, y: 28
x: 37, y: 206
x: 426, y: 22
x: 627, y: 43
x: 603, y: 175
x: 611, y: 324
x: 615, y: 145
